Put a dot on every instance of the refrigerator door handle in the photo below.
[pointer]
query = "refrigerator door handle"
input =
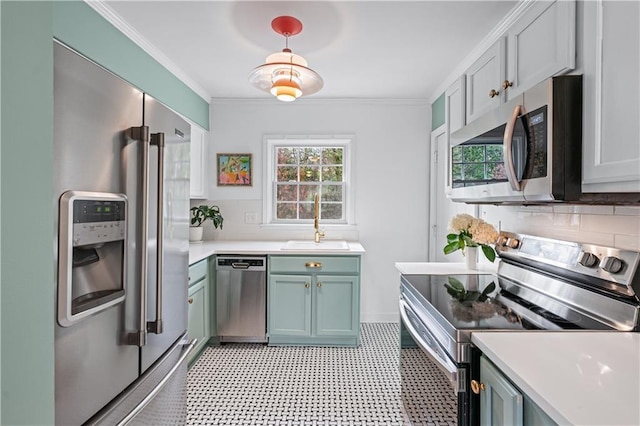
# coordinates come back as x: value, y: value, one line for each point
x: 139, y: 337
x: 157, y: 139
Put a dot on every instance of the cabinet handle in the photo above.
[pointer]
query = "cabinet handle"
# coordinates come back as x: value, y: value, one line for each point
x: 307, y: 285
x: 506, y: 84
x: 493, y: 93
x: 476, y: 387
x: 190, y: 300
x: 319, y: 284
x: 313, y: 265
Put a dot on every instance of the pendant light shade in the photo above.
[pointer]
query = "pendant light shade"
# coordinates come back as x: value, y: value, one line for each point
x: 285, y: 74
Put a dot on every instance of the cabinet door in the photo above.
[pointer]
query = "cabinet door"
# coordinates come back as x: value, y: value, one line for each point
x: 336, y: 305
x: 198, y: 325
x: 541, y: 44
x: 500, y: 401
x: 289, y: 304
x: 611, y: 152
x: 454, y: 105
x: 486, y: 74
x: 198, y: 153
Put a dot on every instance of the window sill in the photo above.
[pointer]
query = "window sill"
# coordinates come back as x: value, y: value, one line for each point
x: 307, y: 226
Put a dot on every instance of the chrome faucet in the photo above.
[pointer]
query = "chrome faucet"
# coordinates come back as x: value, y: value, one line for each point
x: 316, y: 213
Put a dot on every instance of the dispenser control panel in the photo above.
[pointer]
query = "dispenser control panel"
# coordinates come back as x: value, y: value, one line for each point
x: 97, y: 221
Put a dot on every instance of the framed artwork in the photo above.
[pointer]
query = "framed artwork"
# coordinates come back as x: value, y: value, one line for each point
x: 234, y: 170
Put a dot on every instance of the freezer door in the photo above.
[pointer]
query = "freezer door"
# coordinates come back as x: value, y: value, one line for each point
x: 173, y: 258
x: 92, y: 110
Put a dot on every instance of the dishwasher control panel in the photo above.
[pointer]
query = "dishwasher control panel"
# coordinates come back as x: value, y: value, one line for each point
x: 236, y: 262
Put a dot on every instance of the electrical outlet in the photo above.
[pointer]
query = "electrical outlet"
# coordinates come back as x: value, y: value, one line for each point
x: 251, y: 217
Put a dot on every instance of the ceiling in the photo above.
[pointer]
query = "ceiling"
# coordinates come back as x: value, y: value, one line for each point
x: 362, y: 49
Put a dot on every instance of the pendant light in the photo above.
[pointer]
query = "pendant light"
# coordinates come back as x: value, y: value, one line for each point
x: 284, y: 74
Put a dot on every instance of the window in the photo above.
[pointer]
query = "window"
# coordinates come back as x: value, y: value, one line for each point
x: 299, y: 168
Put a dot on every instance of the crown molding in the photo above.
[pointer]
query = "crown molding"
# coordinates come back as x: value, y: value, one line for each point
x: 496, y: 33
x: 321, y: 101
x: 121, y: 25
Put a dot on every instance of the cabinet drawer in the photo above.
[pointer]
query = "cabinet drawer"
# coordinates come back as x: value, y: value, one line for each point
x: 197, y: 271
x: 311, y: 264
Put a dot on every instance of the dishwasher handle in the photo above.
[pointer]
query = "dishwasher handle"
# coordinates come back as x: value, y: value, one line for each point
x: 240, y: 265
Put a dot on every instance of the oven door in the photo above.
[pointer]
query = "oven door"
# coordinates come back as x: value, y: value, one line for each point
x: 433, y: 388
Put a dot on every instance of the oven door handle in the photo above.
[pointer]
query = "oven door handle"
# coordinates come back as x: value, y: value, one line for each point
x: 448, y: 367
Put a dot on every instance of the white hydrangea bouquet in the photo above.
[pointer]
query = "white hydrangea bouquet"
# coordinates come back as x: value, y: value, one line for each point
x: 469, y: 231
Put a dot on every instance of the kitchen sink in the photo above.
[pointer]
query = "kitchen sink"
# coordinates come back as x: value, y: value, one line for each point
x: 330, y: 245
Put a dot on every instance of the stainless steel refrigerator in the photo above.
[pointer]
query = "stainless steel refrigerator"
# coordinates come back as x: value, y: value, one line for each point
x: 121, y: 186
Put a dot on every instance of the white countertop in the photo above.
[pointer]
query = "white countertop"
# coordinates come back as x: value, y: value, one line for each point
x: 199, y: 251
x: 434, y: 268
x: 578, y: 378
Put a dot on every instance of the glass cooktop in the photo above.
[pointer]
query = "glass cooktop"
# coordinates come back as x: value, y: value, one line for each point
x: 476, y: 302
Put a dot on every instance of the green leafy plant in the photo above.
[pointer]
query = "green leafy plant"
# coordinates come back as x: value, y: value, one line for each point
x: 471, y: 232
x: 201, y: 213
x: 456, y: 289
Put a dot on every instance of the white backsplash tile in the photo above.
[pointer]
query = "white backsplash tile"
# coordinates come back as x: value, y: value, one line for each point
x: 568, y: 208
x: 627, y: 210
x: 626, y: 225
x: 629, y: 242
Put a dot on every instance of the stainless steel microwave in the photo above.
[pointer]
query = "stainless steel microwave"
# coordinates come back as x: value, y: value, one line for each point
x: 528, y: 151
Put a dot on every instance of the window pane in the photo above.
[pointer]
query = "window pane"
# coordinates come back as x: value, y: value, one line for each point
x: 497, y: 171
x: 332, y: 155
x: 332, y: 193
x: 494, y: 152
x: 306, y: 210
x: 310, y: 155
x: 287, y: 173
x: 473, y: 171
x: 331, y: 211
x: 332, y: 173
x: 287, y: 192
x: 456, y: 154
x: 309, y: 174
x: 456, y: 171
x: 473, y: 154
x: 307, y: 192
x: 286, y: 155
x: 286, y: 211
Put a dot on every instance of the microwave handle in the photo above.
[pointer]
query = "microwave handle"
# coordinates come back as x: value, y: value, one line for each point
x: 508, y: 150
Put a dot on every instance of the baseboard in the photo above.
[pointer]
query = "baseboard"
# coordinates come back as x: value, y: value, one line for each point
x: 380, y: 317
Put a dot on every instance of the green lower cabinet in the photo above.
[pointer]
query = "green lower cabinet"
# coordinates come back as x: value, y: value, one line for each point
x: 502, y: 403
x: 198, y: 304
x: 335, y: 306
x: 314, y: 300
x: 290, y: 305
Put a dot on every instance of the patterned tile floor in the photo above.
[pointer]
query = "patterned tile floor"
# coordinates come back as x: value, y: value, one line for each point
x: 253, y: 384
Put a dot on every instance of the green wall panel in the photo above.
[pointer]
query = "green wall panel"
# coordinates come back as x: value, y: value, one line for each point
x: 437, y: 112
x: 80, y: 27
x: 27, y: 276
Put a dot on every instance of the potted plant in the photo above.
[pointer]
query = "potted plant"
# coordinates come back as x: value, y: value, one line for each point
x: 199, y: 216
x: 469, y: 233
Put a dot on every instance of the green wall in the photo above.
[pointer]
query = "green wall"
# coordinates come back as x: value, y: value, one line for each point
x: 27, y: 204
x: 27, y: 275
x: 437, y: 113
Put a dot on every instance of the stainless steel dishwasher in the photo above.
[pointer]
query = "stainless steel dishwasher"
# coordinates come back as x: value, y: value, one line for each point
x: 241, y: 298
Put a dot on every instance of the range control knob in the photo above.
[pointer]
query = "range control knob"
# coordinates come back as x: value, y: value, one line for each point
x: 502, y: 241
x: 587, y: 259
x: 611, y: 264
x: 513, y: 243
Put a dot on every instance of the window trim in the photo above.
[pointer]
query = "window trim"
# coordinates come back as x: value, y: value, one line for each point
x: 269, y: 144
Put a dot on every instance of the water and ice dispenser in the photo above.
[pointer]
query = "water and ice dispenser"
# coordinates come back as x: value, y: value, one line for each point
x: 91, y: 254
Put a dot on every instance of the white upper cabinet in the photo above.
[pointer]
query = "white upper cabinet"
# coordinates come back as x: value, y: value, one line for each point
x: 483, y: 81
x: 454, y: 105
x: 611, y: 151
x: 198, y: 157
x: 541, y: 43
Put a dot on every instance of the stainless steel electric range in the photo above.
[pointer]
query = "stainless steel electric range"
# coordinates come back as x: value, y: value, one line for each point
x: 540, y: 284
